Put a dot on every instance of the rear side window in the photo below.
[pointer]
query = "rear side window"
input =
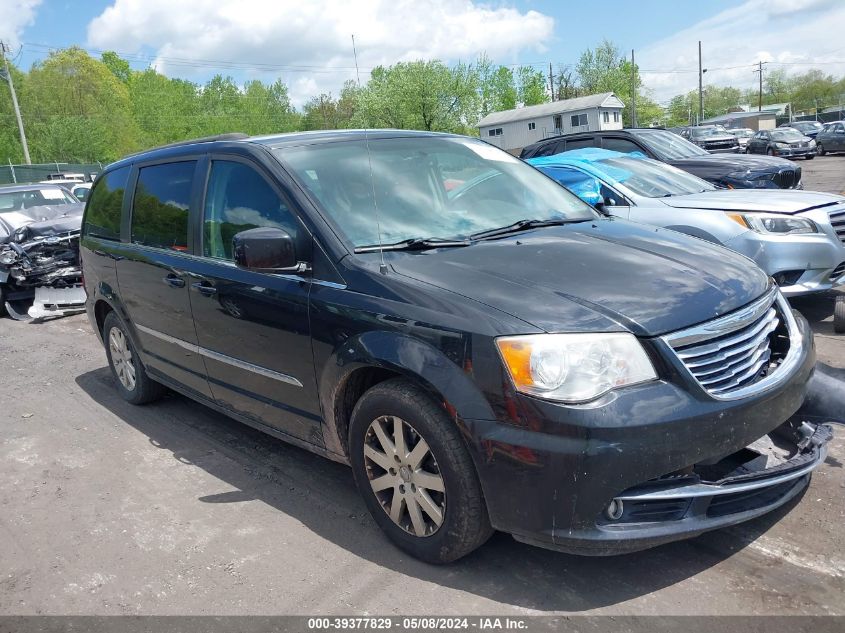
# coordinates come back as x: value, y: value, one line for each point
x: 160, y: 206
x: 102, y: 217
x: 578, y: 143
x: 239, y: 199
x: 620, y: 145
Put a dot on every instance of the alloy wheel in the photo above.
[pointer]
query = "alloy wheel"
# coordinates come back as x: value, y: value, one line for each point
x: 404, y: 476
x: 121, y: 358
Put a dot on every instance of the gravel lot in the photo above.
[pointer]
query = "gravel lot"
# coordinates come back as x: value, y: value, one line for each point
x: 106, y: 508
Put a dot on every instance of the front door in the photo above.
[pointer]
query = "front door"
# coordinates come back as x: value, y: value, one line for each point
x: 152, y: 273
x: 253, y: 327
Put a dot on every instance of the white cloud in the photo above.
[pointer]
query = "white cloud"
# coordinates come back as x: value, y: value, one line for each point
x: 15, y: 16
x: 259, y: 36
x: 800, y: 33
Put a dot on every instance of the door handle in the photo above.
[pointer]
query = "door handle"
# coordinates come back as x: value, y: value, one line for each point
x: 204, y: 288
x: 174, y: 281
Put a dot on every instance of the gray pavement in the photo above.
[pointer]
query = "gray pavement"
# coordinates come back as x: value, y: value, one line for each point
x: 106, y: 508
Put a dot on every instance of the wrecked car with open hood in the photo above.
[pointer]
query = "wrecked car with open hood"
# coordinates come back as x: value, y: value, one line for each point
x: 40, y: 273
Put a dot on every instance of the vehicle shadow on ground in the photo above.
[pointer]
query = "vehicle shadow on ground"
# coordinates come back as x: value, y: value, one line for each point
x: 322, y: 495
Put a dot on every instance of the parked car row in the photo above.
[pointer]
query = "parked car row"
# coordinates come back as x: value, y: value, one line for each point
x: 486, y: 350
x: 724, y: 170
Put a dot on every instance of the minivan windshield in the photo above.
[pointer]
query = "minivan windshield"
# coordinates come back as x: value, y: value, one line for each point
x: 652, y: 179
x: 426, y: 187
x: 667, y: 145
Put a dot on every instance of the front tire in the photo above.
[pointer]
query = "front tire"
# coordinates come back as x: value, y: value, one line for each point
x: 415, y: 474
x: 820, y: 149
x: 131, y: 379
x: 770, y: 152
x: 839, y: 315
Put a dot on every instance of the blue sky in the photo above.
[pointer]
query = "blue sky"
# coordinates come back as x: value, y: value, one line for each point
x: 307, y: 44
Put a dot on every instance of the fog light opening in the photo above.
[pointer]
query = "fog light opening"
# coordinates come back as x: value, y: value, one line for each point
x: 788, y: 277
x: 614, y: 510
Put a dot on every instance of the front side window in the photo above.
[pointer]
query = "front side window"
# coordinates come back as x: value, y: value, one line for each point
x: 102, y: 216
x: 239, y: 199
x: 425, y: 187
x: 160, y: 206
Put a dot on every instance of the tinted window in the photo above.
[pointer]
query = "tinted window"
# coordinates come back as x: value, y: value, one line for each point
x: 579, y: 143
x: 102, y: 215
x: 620, y: 145
x: 160, y: 207
x: 239, y: 199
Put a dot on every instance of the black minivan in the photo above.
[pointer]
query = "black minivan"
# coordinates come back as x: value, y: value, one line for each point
x: 483, y: 349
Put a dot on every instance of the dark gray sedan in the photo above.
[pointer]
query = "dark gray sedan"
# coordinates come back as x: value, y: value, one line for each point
x: 784, y: 142
x: 831, y: 138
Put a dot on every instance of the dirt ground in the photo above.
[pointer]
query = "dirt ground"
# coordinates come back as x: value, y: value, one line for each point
x: 106, y: 508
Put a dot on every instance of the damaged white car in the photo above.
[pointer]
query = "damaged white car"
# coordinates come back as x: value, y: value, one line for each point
x: 39, y: 251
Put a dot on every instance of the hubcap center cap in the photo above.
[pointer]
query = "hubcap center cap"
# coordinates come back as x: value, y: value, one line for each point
x: 405, y: 474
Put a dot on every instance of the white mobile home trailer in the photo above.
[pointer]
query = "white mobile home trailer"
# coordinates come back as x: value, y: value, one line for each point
x: 514, y: 129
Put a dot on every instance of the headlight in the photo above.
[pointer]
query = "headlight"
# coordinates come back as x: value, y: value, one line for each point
x: 774, y: 224
x: 20, y: 234
x: 574, y: 367
x: 812, y: 143
x: 781, y: 145
x: 8, y: 257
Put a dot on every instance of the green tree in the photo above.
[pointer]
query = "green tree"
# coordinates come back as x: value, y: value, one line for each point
x: 118, y: 66
x: 532, y: 86
x: 165, y: 110
x: 423, y: 95
x: 77, y: 110
x: 10, y: 145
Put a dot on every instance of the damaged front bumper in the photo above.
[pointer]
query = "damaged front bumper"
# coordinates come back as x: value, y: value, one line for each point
x: 41, y: 277
x: 746, y: 484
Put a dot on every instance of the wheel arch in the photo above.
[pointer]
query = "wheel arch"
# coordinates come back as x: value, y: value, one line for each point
x: 373, y: 357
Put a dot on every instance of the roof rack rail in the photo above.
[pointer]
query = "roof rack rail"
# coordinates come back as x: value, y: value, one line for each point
x: 228, y: 136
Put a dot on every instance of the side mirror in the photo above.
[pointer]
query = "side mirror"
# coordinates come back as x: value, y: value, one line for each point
x: 266, y: 249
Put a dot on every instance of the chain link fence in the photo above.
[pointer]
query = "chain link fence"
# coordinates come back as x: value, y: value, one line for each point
x: 12, y: 174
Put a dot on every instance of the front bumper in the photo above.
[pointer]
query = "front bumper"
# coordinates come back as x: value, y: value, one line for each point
x: 797, y: 152
x: 806, y: 263
x: 549, y: 476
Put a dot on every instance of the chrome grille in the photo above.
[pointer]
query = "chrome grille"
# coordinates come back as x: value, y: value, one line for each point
x: 837, y: 221
x: 734, y: 352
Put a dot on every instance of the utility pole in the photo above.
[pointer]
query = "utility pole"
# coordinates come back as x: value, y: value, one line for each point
x: 760, y: 93
x: 551, y: 83
x: 700, y: 86
x: 633, y: 91
x: 15, y: 104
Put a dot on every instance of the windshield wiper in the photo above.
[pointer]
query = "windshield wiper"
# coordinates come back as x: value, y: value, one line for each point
x: 521, y: 225
x: 413, y: 244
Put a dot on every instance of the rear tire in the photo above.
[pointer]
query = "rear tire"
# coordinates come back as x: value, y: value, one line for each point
x: 770, y: 152
x: 839, y: 315
x: 820, y: 149
x: 131, y: 379
x: 415, y: 461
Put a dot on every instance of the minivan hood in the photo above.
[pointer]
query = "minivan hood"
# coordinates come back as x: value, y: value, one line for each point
x: 604, y: 275
x: 771, y: 200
